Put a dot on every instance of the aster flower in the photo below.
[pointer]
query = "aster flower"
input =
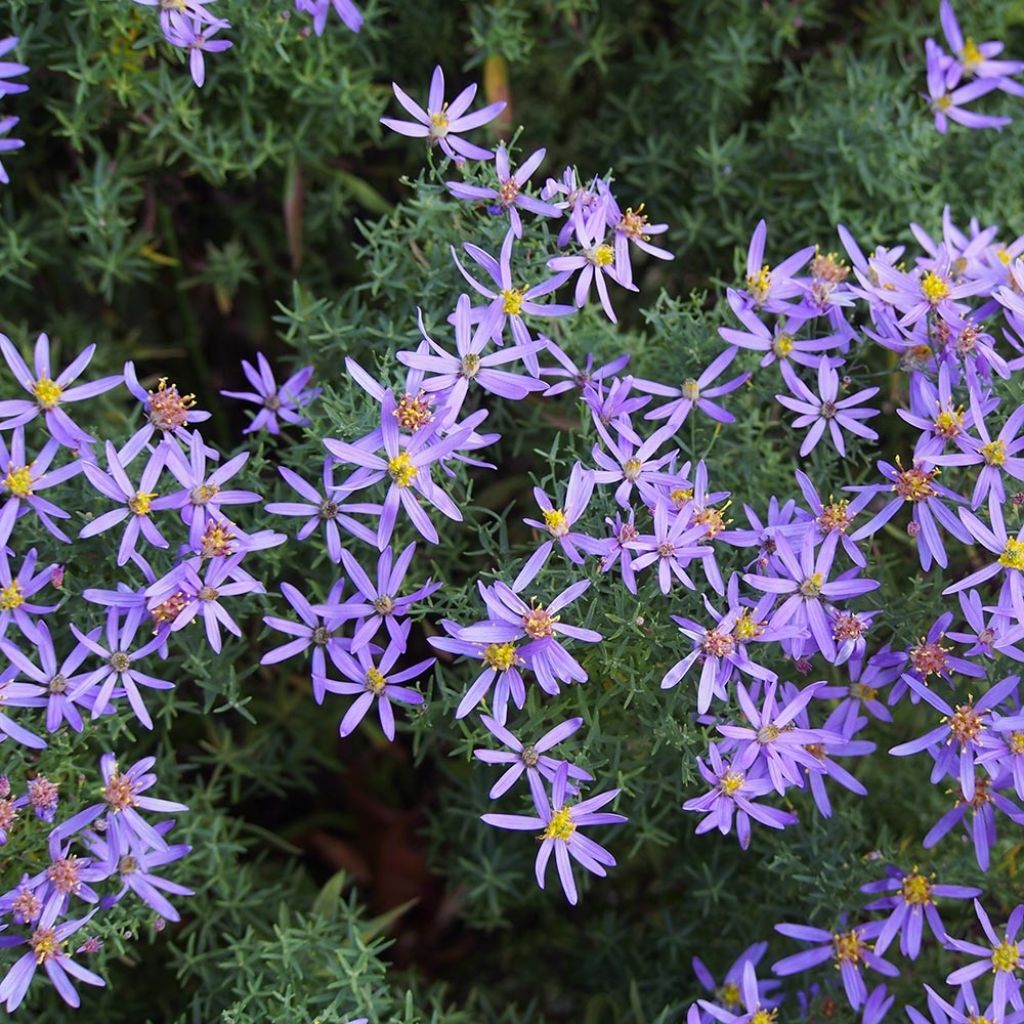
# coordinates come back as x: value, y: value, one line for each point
x: 196, y: 38
x: 15, y: 590
x: 8, y: 144
x: 967, y: 1010
x: 632, y: 227
x: 615, y: 548
x: 512, y: 619
x: 313, y: 633
x: 122, y: 800
x: 848, y: 950
x: 321, y: 508
x: 50, y: 394
x: 378, y: 604
x: 596, y: 262
x: 805, y: 580
x: 558, y: 522
x: 1009, y: 552
x: 43, y: 795
x: 581, y: 377
x: 136, y: 503
x: 935, y: 412
x: 992, y: 636
x: 501, y: 664
x: 835, y: 517
x: 918, y: 486
x: 529, y: 758
x: 508, y: 305
x: 346, y: 10
x: 672, y: 546
x: 559, y: 825
x: 733, y: 793
x: 56, y: 678
x: 614, y: 406
x: 770, y: 737
x: 768, y: 287
x: 508, y: 196
x: 46, y: 950
x: 407, y: 466
x: 928, y: 657
x: 695, y: 393
x: 632, y: 465
x: 285, y: 402
x: 910, y: 898
x: 975, y: 60
x: 749, y: 996
x: 579, y: 201
x: 120, y: 657
x: 167, y: 409
x: 867, y: 680
x: 443, y: 123
x: 845, y: 726
x: 369, y: 681
x: 203, y: 494
x: 778, y: 344
x: 200, y: 596
x: 826, y: 409
x: 1002, y: 957
x: 453, y: 374
x: 729, y: 994
x: 9, y: 69
x: 947, y: 105
x: 66, y: 875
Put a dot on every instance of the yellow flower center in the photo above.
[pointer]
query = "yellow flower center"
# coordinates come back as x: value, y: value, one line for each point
x: 216, y: 540
x: 759, y: 284
x: 140, y: 504
x: 680, y: 496
x: 916, y: 889
x: 555, y: 521
x: 783, y: 345
x: 561, y: 826
x: 834, y: 516
x: 19, y: 481
x: 11, y: 597
x: 994, y: 452
x: 47, y: 393
x: 512, y: 301
x: 811, y: 587
x: 45, y: 944
x: 1005, y: 957
x: 632, y: 469
x: 729, y: 994
x: 401, y: 470
x: 439, y: 123
x: 764, y: 1017
x: 501, y: 656
x: 915, y: 484
x: 1013, y: 555
x: 848, y: 946
x: 712, y: 519
x: 746, y: 628
x: 1016, y: 742
x: 970, y: 56
x: 690, y: 389
x: 470, y: 365
x: 934, y: 288
x: 942, y: 103
x: 949, y: 422
x: 1004, y: 257
x: 204, y: 493
x: 731, y: 782
x: 603, y: 255
x: 375, y: 681
x: 862, y: 692
x: 965, y: 724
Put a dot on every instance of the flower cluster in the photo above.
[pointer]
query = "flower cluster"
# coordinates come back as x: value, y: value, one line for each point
x: 190, y: 26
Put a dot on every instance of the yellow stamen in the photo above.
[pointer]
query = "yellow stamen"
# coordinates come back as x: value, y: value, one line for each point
x: 512, y: 301
x: 934, y: 288
x: 140, y: 504
x: 561, y: 826
x: 47, y: 393
x: 11, y: 597
x: 556, y: 522
x: 501, y: 656
x: 401, y: 470
x: 18, y: 481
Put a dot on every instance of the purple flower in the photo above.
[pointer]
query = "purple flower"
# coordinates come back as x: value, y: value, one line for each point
x: 911, y: 903
x: 594, y: 263
x: 201, y: 596
x: 25, y: 477
x: 632, y: 465
x: 633, y: 226
x: 614, y: 549
x: 167, y: 410
x: 975, y: 59
x: 992, y: 636
x: 46, y: 950
x: 122, y: 800
x: 826, y: 409
x: 7, y: 145
x: 442, y: 123
x: 574, y: 376
x: 805, y: 580
x: 559, y: 825
x: 748, y: 994
x: 947, y: 105
x: 196, y: 37
x: 917, y: 486
x: 729, y: 993
x: 768, y: 287
x: 558, y: 521
x: 733, y: 793
x: 407, y: 466
x: 15, y: 588
x: 508, y: 195
x: 136, y: 503
x: 501, y: 669
x: 346, y: 9
x: 57, y: 678
x: 9, y: 69
x: 50, y: 394
x: 453, y: 374
x: 848, y: 950
x: 284, y: 402
x: 967, y: 1010
x: 202, y: 495
x: 673, y: 545
x: 1002, y: 958
x: 529, y: 758
x: 540, y: 625
x: 381, y: 604
x: 695, y: 393
x: 120, y: 658
x: 323, y: 508
x: 371, y: 682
